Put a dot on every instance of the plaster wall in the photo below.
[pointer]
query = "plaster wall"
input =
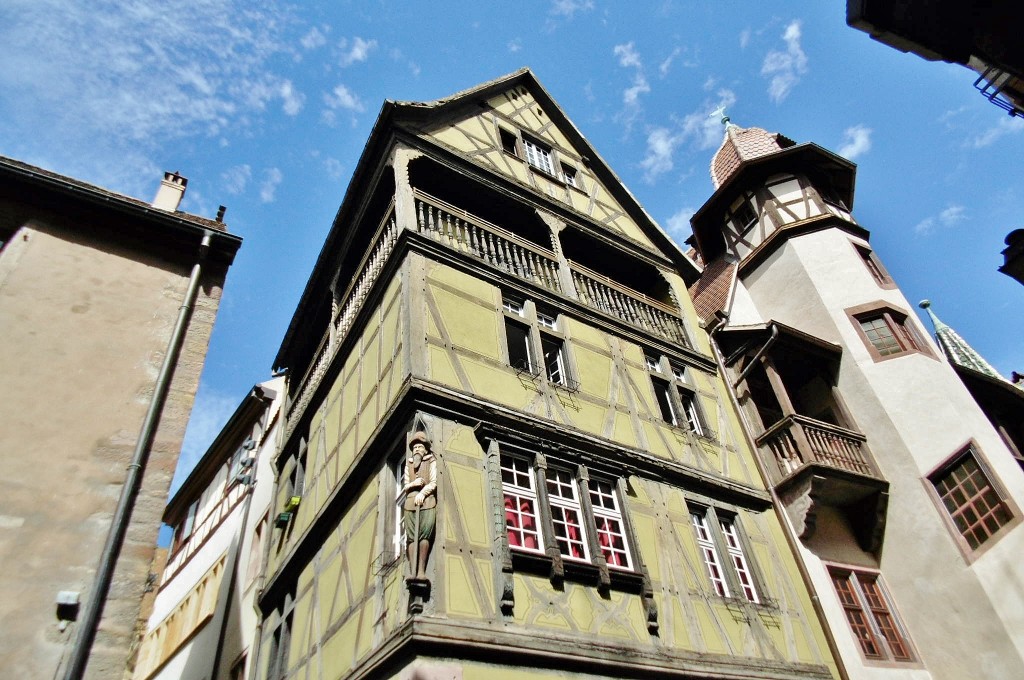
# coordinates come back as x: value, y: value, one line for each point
x: 915, y: 413
x: 86, y: 324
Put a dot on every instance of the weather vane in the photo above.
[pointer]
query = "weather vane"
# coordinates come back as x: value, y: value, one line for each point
x: 720, y: 113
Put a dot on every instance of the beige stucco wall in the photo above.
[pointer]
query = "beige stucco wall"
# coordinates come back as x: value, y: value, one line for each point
x: 85, y: 326
x: 915, y: 413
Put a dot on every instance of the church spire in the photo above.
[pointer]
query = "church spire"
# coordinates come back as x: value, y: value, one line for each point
x: 956, y: 349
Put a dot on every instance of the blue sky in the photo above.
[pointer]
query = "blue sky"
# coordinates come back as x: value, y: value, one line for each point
x: 266, y: 110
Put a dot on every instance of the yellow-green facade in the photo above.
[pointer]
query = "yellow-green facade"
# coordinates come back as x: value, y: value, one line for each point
x: 429, y: 350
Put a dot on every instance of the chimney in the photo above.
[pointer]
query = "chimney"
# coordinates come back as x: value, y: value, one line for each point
x: 172, y: 189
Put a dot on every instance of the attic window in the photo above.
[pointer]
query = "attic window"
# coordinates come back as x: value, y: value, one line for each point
x: 508, y: 141
x: 569, y: 175
x: 538, y: 155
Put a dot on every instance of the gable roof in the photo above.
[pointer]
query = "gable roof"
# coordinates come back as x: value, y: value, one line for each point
x: 395, y: 115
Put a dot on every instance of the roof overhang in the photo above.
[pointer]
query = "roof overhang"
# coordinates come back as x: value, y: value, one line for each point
x: 808, y: 158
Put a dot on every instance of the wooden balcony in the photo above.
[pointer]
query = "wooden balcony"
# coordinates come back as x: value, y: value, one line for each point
x: 796, y: 441
x: 605, y: 294
x: 474, y: 236
x: 812, y: 462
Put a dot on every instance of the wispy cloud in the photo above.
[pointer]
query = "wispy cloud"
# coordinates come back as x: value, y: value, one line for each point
x: 629, y: 58
x: 117, y: 81
x: 949, y: 217
x: 315, y: 38
x: 661, y: 145
x: 343, y: 98
x: 856, y: 142
x: 785, y: 67
x: 236, y: 178
x: 515, y: 45
x: 355, y: 51
x: 568, y: 8
x: 699, y: 128
x: 209, y: 415
x: 291, y: 100
x: 1006, y: 126
x: 666, y: 64
x: 678, y: 226
x: 271, y: 178
x: 745, y: 38
x: 333, y: 167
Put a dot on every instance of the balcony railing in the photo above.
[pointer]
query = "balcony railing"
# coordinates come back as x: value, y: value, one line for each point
x: 600, y: 292
x: 796, y: 441
x: 369, y: 269
x: 472, y: 235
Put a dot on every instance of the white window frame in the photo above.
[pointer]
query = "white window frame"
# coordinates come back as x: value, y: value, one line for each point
x: 709, y: 551
x: 538, y: 155
x: 734, y: 548
x: 519, y: 492
x: 608, y: 512
x: 559, y: 482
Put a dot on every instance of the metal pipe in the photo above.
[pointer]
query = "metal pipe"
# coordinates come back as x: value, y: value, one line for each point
x: 126, y: 503
x: 760, y: 353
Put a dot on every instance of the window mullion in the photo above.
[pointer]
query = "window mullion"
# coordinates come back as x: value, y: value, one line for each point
x: 547, y: 523
x: 722, y: 548
x: 590, y: 525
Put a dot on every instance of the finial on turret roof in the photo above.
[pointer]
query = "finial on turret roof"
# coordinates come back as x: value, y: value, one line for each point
x: 956, y: 348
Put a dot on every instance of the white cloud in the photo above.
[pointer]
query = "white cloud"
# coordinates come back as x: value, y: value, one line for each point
x: 949, y: 217
x: 236, y: 178
x: 515, y: 45
x: 333, y: 167
x: 314, y: 39
x: 118, y: 80
x: 568, y: 8
x: 661, y: 145
x: 1006, y: 126
x: 291, y: 100
x: 665, y: 65
x: 744, y: 38
x: 628, y: 56
x: 356, y: 51
x: 271, y: 178
x: 678, y: 226
x: 343, y: 98
x: 209, y: 415
x: 710, y: 83
x: 785, y: 67
x: 856, y: 142
x: 704, y: 128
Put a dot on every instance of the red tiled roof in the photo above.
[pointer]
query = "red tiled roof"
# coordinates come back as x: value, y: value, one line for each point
x: 711, y: 291
x: 740, y: 145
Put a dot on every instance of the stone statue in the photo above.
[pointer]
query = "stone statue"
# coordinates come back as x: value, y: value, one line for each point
x: 420, y: 503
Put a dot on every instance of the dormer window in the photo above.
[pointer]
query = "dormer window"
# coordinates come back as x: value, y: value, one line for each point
x: 742, y: 215
x: 569, y: 175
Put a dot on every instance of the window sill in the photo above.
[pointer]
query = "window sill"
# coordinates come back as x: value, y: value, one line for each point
x: 575, y: 571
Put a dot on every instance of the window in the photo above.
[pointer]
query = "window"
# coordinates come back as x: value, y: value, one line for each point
x: 887, y: 332
x: 742, y: 214
x: 508, y: 141
x: 866, y: 605
x: 538, y: 155
x: 520, y: 504
x: 238, y: 669
x: 874, y: 266
x: 527, y: 328
x: 572, y: 523
x: 569, y: 175
x: 566, y: 515
x: 184, y: 528
x: 256, y: 551
x: 676, y: 400
x: 735, y: 575
x: 972, y: 502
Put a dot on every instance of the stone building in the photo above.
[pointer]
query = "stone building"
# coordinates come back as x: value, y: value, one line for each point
x: 496, y: 348
x: 92, y: 288
x: 902, y: 496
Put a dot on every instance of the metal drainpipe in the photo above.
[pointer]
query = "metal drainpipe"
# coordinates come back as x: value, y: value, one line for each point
x: 760, y: 353
x: 126, y: 503
x: 787, y: 530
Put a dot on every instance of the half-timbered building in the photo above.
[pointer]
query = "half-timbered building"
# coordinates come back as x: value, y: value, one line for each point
x: 491, y: 298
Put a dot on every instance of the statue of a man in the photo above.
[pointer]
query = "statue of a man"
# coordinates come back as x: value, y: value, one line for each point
x: 420, y: 505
